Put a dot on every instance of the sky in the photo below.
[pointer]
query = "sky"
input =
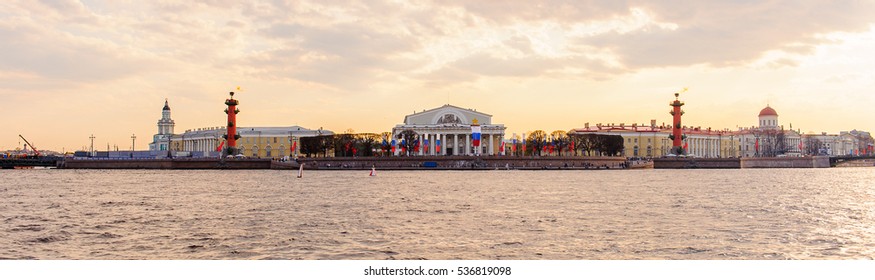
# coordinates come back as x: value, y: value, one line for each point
x: 71, y: 69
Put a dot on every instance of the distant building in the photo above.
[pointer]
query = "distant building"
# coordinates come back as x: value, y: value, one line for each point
x: 641, y: 140
x: 769, y: 138
x: 452, y: 126
x: 842, y: 144
x: 161, y: 141
x: 260, y: 142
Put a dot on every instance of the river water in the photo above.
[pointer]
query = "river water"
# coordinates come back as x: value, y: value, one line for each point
x: 607, y: 214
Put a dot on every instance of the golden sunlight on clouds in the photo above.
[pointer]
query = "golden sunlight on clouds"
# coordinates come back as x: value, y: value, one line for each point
x: 74, y: 68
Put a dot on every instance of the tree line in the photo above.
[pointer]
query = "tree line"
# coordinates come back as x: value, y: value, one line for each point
x: 537, y: 143
x: 347, y: 144
x: 562, y: 143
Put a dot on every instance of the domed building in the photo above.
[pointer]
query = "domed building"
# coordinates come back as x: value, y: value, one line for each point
x: 768, y: 118
x: 769, y: 138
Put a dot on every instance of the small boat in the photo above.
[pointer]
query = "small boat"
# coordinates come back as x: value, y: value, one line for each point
x: 301, y: 171
x: 373, y: 171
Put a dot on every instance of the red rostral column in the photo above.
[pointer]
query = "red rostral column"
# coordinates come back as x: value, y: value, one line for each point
x: 231, y: 137
x: 676, y: 132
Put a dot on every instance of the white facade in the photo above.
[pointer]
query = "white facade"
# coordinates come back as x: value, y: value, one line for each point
x: 843, y: 144
x: 452, y: 126
x: 762, y: 140
x: 768, y: 118
x: 161, y: 141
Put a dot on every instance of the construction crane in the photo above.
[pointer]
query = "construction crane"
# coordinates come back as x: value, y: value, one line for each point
x: 35, y: 151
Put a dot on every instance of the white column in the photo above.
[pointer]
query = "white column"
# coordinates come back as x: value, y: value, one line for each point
x: 444, y: 144
x: 467, y: 144
x: 455, y: 144
x: 491, y: 144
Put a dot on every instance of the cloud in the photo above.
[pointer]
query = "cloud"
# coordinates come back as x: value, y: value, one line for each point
x: 350, y: 45
x: 722, y: 33
x: 53, y: 55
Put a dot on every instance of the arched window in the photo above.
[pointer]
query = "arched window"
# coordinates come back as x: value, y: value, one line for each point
x: 282, y: 151
x: 267, y: 151
x: 635, y: 152
x: 649, y: 151
x: 254, y: 151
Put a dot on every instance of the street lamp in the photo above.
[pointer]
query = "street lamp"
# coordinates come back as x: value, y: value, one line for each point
x: 133, y: 142
x: 92, y: 144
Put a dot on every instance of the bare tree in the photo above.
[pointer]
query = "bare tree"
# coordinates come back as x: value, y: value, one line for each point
x: 536, y: 141
x: 559, y: 140
x: 812, y: 146
x: 407, y: 139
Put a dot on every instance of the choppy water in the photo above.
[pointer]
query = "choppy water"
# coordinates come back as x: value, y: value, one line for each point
x: 265, y: 214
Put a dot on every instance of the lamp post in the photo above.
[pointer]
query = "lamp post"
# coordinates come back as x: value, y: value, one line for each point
x: 92, y: 144
x: 133, y: 142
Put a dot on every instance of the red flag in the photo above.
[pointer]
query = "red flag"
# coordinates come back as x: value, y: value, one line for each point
x: 219, y: 148
x: 572, y: 146
x: 685, y: 146
x: 757, y: 145
x: 294, y: 146
x: 800, y: 145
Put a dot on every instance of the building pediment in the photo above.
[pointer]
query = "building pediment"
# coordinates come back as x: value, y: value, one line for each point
x: 448, y: 115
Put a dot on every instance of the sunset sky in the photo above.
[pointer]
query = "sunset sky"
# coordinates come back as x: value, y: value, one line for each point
x: 70, y: 69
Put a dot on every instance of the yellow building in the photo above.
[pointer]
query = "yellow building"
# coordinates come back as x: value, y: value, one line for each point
x: 256, y: 142
x: 641, y: 140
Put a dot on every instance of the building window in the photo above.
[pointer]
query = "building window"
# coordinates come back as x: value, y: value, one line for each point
x: 267, y: 151
x: 255, y: 151
x: 274, y: 139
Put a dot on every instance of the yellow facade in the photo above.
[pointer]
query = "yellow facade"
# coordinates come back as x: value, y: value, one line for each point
x: 265, y: 147
x: 653, y: 141
x: 254, y: 142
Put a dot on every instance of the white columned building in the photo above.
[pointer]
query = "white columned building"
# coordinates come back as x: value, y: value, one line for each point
x: 452, y: 125
x: 161, y: 141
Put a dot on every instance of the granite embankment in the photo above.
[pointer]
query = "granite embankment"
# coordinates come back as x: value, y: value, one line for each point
x: 456, y: 163
x: 341, y: 163
x: 180, y: 163
x: 736, y: 163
